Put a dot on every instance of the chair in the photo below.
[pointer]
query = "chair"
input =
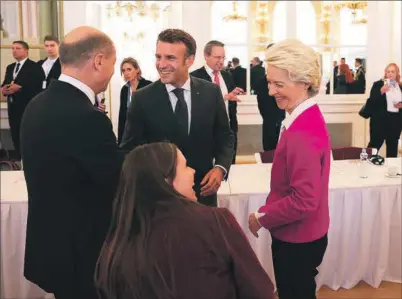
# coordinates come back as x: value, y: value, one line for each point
x: 265, y: 157
x: 349, y: 153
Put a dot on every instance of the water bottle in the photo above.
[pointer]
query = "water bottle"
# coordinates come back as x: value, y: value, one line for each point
x: 364, y: 164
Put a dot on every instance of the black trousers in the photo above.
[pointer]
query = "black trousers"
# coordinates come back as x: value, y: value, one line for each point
x: 386, y: 129
x: 235, y: 147
x: 14, y: 118
x: 295, y: 267
x: 270, y: 135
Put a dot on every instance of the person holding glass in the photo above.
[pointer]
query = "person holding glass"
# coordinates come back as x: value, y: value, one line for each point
x: 131, y: 71
x: 163, y: 244
x: 384, y: 106
x: 296, y: 211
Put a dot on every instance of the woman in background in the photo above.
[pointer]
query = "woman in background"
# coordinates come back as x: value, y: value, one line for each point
x: 345, y: 80
x: 296, y: 210
x: 163, y: 244
x: 131, y: 72
x: 385, y: 109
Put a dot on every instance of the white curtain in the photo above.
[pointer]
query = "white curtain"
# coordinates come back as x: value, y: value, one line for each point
x: 9, y: 15
x: 30, y: 18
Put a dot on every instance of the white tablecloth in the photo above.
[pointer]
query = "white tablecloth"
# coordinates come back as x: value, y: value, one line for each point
x: 365, y: 229
x: 364, y: 237
x: 14, y: 211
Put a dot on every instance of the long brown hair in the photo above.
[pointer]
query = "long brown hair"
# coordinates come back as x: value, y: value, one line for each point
x: 145, y: 184
x: 345, y: 70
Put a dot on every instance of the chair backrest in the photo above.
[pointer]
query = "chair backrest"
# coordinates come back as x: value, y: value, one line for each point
x: 349, y: 153
x: 265, y: 157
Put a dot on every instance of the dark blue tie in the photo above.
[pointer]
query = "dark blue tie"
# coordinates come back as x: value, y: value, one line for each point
x: 181, y: 111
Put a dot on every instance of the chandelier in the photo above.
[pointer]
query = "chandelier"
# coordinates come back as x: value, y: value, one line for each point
x: 234, y: 15
x: 130, y: 9
x: 357, y: 9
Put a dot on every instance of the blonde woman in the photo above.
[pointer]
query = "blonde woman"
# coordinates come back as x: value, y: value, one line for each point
x: 296, y: 210
x: 385, y: 109
x: 131, y: 71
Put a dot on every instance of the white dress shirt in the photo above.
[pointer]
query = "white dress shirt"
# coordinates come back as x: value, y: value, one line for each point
x: 15, y: 73
x: 394, y: 96
x: 81, y: 86
x: 222, y: 84
x: 187, y: 97
x: 47, y: 65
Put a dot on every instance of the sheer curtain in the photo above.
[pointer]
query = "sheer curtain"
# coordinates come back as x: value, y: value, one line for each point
x: 30, y: 18
x: 9, y: 16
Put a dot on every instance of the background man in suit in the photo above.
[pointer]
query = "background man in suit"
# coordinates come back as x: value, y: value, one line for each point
x: 186, y: 111
x: 272, y: 116
x: 239, y: 74
x: 257, y: 72
x: 22, y: 82
x: 71, y: 165
x: 214, y: 54
x: 51, y: 65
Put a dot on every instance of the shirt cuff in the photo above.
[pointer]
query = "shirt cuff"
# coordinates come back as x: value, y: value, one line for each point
x: 225, y: 172
x: 258, y: 216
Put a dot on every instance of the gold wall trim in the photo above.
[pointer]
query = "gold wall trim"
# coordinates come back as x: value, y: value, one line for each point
x: 61, y: 19
x: 34, y: 46
x: 20, y: 16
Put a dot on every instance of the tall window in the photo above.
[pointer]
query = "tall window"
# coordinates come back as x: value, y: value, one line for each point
x: 233, y: 33
x: 135, y: 37
x: 306, y: 24
x: 279, y: 21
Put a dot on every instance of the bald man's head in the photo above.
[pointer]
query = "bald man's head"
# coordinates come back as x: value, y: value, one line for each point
x: 82, y: 43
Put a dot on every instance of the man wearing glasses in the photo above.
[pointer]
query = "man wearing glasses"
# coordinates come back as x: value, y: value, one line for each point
x: 213, y: 71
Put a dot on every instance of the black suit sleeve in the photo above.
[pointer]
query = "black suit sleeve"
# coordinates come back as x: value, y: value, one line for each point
x: 33, y: 85
x: 223, y: 136
x: 262, y: 97
x: 98, y: 154
x: 375, y: 103
x: 8, y: 77
x: 122, y: 113
x: 135, y: 123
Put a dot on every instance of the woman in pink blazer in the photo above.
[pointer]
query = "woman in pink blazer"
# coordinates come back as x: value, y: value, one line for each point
x: 296, y: 210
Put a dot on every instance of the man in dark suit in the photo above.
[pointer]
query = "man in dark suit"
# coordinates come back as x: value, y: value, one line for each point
x: 186, y: 111
x: 71, y: 166
x: 272, y: 116
x: 214, y: 54
x: 257, y: 72
x: 22, y: 82
x: 239, y: 74
x: 51, y: 65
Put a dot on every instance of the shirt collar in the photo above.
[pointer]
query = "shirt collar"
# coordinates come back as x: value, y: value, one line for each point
x: 52, y: 59
x: 81, y: 86
x: 21, y: 62
x: 303, y: 106
x: 209, y: 70
x: 186, y: 86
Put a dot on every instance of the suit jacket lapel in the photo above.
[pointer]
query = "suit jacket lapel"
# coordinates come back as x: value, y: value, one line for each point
x: 196, y: 105
x: 164, y: 104
x: 206, y: 75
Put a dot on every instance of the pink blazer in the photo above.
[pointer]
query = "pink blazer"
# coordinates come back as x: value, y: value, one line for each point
x: 296, y: 209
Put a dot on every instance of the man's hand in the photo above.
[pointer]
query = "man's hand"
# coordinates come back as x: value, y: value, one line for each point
x: 212, y: 181
x: 253, y: 225
x: 13, y: 88
x: 398, y: 105
x: 232, y: 96
x: 101, y: 107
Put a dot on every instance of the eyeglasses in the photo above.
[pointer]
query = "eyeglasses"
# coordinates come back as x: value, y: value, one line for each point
x: 219, y: 57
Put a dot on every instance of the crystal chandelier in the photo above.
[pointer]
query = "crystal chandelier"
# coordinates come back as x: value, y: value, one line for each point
x: 130, y: 9
x: 357, y: 9
x: 234, y: 15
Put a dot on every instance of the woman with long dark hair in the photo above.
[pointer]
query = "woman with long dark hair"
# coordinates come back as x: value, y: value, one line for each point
x: 163, y: 244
